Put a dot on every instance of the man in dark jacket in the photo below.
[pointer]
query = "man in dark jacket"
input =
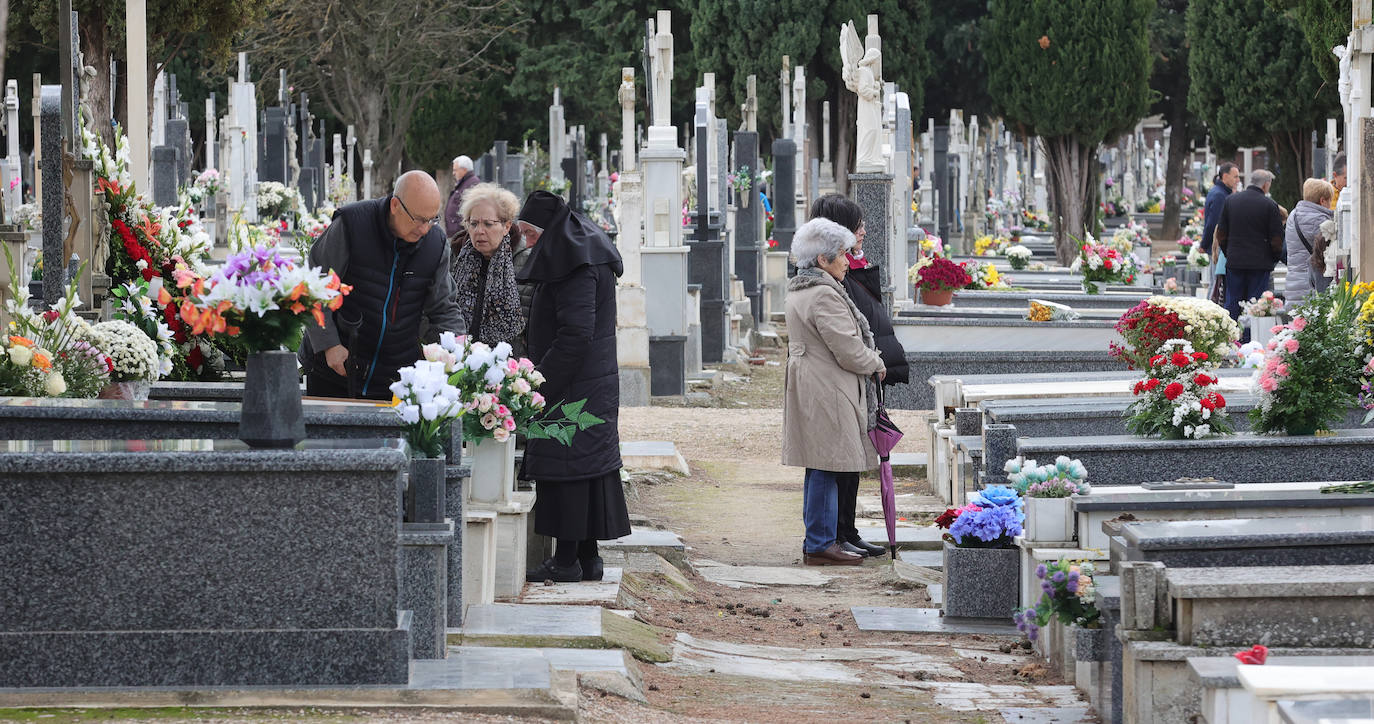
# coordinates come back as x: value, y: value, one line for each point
x: 863, y: 284
x: 1250, y: 233
x: 464, y: 178
x: 571, y: 337
x: 394, y: 255
x: 1226, y: 181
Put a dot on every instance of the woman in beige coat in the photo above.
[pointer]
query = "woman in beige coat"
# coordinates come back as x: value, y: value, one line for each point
x: 830, y: 399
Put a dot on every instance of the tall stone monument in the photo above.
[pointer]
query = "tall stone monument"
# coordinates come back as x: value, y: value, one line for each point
x: 862, y: 74
x: 707, y: 266
x: 632, y: 331
x: 558, y: 138
x: 748, y: 209
x: 870, y: 184
x: 664, y: 258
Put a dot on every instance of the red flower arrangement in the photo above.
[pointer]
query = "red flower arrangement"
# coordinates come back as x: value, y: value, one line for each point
x: 1145, y: 327
x: 136, y: 251
x: 941, y: 274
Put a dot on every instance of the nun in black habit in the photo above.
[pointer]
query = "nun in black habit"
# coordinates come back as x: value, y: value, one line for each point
x: 571, y: 337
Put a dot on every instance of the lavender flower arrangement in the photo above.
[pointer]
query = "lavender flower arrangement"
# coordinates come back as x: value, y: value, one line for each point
x: 991, y: 520
x: 1066, y: 594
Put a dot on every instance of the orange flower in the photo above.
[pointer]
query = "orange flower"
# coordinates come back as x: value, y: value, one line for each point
x: 149, y: 228
x: 21, y: 341
x: 298, y: 292
x: 42, y: 362
x: 163, y: 297
x: 297, y: 308
x: 319, y: 315
x: 1044, y: 42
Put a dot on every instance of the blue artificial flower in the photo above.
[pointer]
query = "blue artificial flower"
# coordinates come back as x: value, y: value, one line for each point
x: 1072, y: 585
x: 1040, y: 571
x: 989, y: 524
x: 1059, y: 576
x: 997, y: 495
x: 1047, y: 588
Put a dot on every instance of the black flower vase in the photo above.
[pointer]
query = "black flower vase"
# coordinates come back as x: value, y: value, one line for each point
x: 425, y: 490
x: 271, y: 415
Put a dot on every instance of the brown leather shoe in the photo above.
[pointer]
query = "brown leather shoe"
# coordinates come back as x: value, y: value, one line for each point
x: 832, y: 556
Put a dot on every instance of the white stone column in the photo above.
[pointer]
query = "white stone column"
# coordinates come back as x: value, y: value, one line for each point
x: 136, y: 95
x: 13, y: 169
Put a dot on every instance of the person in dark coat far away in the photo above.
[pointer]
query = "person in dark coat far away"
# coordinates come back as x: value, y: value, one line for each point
x: 571, y: 338
x: 863, y: 284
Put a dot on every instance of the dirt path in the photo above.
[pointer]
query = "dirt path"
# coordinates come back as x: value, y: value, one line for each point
x: 741, y: 507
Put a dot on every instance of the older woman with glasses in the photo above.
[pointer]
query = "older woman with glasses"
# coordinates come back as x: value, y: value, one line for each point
x: 483, y: 272
x: 830, y: 396
x: 397, y: 261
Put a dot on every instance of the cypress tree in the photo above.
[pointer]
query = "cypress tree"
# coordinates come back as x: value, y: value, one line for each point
x: 1254, y: 83
x: 1076, y: 73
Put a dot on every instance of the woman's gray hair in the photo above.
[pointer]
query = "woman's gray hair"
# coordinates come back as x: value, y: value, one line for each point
x: 819, y: 237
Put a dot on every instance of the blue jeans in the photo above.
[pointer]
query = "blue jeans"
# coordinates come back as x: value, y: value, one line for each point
x: 820, y: 507
x: 1242, y: 285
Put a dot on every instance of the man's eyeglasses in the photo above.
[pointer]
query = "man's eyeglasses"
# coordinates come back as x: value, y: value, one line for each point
x: 427, y: 222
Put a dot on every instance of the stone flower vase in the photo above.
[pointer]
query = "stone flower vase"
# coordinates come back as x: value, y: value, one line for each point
x: 425, y: 490
x: 136, y: 390
x: 1089, y: 644
x: 1049, y: 519
x: 981, y: 582
x: 936, y: 297
x: 493, y: 470
x: 271, y: 415
x: 1260, y: 329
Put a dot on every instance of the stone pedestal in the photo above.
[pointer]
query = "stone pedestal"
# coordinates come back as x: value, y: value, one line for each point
x: 422, y: 585
x: 301, y: 590
x: 668, y: 364
x: 980, y: 582
x: 707, y: 271
x: 873, y: 193
x: 999, y: 446
x: 784, y: 190
x: 164, y: 176
x: 454, y: 509
x: 665, y: 283
x: 775, y: 283
x: 632, y: 331
x: 664, y: 261
x: 53, y: 191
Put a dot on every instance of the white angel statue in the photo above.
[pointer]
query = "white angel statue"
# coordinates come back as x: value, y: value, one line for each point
x: 859, y: 75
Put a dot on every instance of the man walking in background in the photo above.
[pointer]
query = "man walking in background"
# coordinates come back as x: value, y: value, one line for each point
x: 464, y: 178
x: 1250, y: 233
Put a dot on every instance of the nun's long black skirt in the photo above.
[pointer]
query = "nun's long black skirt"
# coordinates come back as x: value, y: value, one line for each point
x: 587, y: 509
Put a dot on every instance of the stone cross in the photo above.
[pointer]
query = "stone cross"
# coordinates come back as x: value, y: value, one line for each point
x: 70, y: 51
x: 558, y: 138
x: 785, y: 83
x: 239, y: 152
x: 338, y: 152
x: 14, y: 192
x: 751, y: 107
x: 825, y: 131
x: 210, y: 132
x: 663, y: 69
x: 367, y: 173
x: 627, y: 119
x: 710, y: 173
x: 801, y: 133
x: 352, y: 142
x: 159, y: 122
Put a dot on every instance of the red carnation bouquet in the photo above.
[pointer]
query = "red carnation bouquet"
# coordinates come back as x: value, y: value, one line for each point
x: 941, y: 274
x: 1173, y: 401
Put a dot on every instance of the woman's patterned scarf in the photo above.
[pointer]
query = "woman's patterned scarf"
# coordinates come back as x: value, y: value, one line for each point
x: 501, y: 316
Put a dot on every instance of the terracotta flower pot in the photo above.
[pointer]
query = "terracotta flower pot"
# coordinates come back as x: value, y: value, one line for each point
x: 937, y: 297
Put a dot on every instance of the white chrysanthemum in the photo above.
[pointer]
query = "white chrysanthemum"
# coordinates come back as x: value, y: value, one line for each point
x: 134, y: 354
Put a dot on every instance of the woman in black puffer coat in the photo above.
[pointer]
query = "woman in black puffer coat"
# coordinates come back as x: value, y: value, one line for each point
x: 571, y: 338
x: 864, y: 285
